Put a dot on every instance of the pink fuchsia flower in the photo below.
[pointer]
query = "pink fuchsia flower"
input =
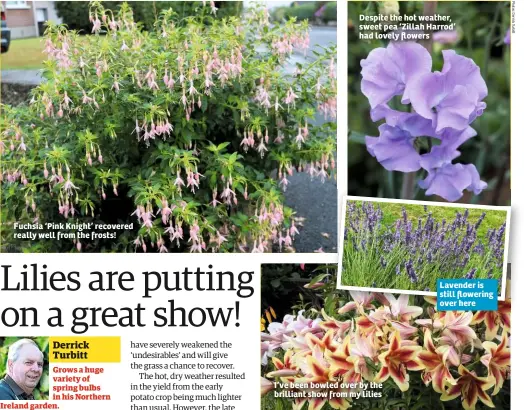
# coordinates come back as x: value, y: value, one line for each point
x: 284, y: 182
x: 261, y: 149
x: 497, y: 360
x: 299, y: 139
x: 97, y: 25
x: 293, y: 230
x: 290, y: 97
x: 471, y: 388
x: 22, y: 146
x: 192, y: 181
x: 396, y: 362
x: 194, y: 232
x: 68, y: 187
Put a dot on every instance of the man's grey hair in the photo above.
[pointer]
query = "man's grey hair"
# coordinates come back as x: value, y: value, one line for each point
x: 14, y: 350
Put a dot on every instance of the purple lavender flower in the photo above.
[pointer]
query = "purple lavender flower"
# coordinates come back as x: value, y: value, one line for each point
x: 471, y: 274
x: 388, y: 71
x: 481, y: 218
x: 411, y: 271
x: 479, y: 248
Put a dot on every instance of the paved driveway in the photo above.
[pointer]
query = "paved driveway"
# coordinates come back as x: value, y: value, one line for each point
x: 24, y: 77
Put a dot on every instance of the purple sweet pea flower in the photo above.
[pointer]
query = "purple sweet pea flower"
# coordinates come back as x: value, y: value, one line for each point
x: 451, y: 98
x: 394, y: 149
x: 413, y: 123
x: 449, y: 181
x: 446, y: 37
x: 387, y: 72
x: 507, y: 37
x: 447, y: 151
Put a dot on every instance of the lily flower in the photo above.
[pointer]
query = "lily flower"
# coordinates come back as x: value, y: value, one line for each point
x: 495, y: 319
x: 436, y: 362
x: 360, y: 300
x: 471, y: 388
x: 265, y: 386
x: 400, y: 307
x: 497, y: 360
x: 396, y: 362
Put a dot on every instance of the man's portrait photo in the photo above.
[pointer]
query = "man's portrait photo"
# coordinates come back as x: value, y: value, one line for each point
x: 25, y: 364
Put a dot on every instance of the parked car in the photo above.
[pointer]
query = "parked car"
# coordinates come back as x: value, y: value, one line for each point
x: 6, y: 33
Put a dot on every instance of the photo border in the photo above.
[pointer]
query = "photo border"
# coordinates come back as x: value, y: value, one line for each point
x: 347, y: 198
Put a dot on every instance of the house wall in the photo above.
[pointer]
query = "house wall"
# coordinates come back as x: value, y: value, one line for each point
x: 20, y: 21
x: 51, y: 11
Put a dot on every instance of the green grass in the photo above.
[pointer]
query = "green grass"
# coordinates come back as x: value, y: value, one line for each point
x: 392, y: 212
x: 365, y: 268
x: 24, y: 54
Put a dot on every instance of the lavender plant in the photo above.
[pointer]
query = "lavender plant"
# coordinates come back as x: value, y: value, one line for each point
x: 412, y: 251
x: 438, y: 108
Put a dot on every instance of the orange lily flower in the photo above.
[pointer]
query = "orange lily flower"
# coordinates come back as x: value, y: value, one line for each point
x: 317, y: 370
x: 284, y: 369
x: 497, y: 360
x: 342, y: 365
x: 471, y: 387
x: 396, y: 361
x: 361, y: 300
x: 495, y: 319
x: 332, y: 324
x: 435, y: 360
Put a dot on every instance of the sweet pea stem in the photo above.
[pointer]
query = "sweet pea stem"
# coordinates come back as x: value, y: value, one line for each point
x: 408, y: 185
x: 408, y: 182
x: 430, y: 9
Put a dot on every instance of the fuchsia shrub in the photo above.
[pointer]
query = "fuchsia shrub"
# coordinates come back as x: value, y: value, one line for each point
x: 190, y: 131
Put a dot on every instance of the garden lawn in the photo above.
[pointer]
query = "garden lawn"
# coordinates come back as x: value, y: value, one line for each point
x: 24, y: 54
x: 392, y: 212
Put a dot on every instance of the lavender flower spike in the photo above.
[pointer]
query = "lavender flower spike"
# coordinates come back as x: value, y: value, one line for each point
x: 388, y: 71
